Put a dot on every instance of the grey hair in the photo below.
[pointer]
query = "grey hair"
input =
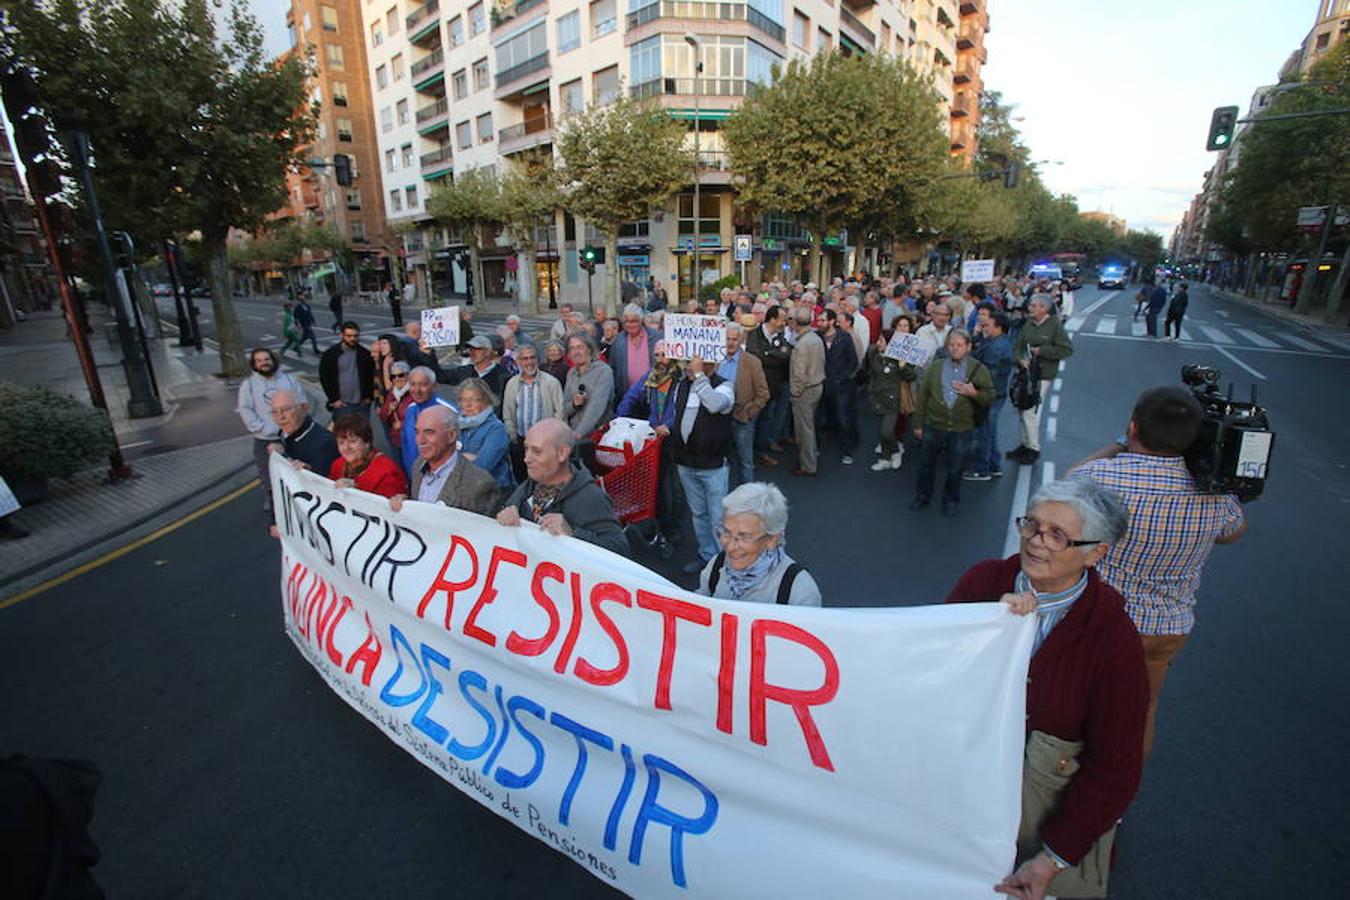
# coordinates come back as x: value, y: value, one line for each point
x: 759, y: 498
x: 1105, y: 516
x: 633, y: 309
x: 803, y: 315
x: 479, y: 387
x: 427, y: 371
x: 513, y: 318
x: 736, y: 327
x: 399, y: 367
x: 958, y: 333
x: 447, y: 415
x: 1044, y: 299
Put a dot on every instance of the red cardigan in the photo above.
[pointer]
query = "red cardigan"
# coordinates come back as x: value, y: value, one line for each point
x: 1087, y: 683
x: 383, y: 476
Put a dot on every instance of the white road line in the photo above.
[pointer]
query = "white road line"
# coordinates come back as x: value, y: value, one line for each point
x: 1137, y: 328
x: 1073, y: 326
x: 1325, y: 354
x: 1216, y: 335
x: 1057, y: 384
x: 1258, y: 340
x: 1301, y: 342
x: 1063, y: 366
x: 1054, y: 400
x: 1051, y: 428
x: 1092, y: 307
x: 137, y: 444
x: 1021, y: 491
x: 1255, y: 373
x: 1047, y: 472
x: 1185, y: 333
x: 269, y: 337
x: 1106, y: 325
x: 1221, y: 312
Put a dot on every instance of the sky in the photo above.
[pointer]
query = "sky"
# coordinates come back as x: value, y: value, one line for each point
x: 1119, y: 92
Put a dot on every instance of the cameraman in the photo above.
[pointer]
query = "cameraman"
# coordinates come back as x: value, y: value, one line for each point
x: 1173, y: 526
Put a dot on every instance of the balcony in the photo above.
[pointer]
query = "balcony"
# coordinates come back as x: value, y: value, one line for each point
x: 966, y: 70
x: 427, y: 68
x: 961, y: 106
x: 505, y: 12
x: 726, y: 12
x: 707, y: 87
x: 714, y: 167
x: 424, y: 21
x: 437, y: 162
x: 972, y: 7
x: 520, y: 70
x: 944, y: 18
x: 533, y: 132
x: 433, y: 116
x: 970, y: 34
x: 860, y: 32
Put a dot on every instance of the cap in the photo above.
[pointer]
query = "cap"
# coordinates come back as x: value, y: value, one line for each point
x: 481, y: 342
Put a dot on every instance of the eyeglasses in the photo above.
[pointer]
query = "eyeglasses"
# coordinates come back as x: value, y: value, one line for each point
x: 397, y: 376
x: 1053, y: 538
x: 729, y: 538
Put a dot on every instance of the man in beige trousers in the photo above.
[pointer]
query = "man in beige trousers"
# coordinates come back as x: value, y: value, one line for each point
x: 806, y: 375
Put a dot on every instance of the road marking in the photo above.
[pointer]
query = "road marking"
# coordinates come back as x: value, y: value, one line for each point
x: 129, y: 548
x: 1215, y: 334
x: 1054, y: 402
x: 137, y: 444
x: 1325, y: 354
x: 1301, y: 342
x: 1241, y: 363
x: 1255, y: 338
x: 1092, y: 307
x: 1063, y: 366
x: 1072, y: 327
x: 1137, y: 328
x: 1047, y: 473
x: 1106, y: 325
x: 1221, y: 312
x: 1185, y: 333
x: 1057, y: 384
x: 1051, y: 428
x: 269, y: 337
x: 1012, y: 541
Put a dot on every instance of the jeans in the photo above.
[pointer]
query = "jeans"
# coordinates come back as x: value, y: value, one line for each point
x: 772, y: 422
x: 743, y: 447
x: 984, y: 455
x: 957, y: 445
x: 841, y: 406
x: 704, y: 490
x: 886, y: 425
x: 308, y: 334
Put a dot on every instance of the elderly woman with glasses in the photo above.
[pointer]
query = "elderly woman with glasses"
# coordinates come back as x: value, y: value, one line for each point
x: 753, y: 565
x: 395, y: 402
x: 1087, y: 689
x: 359, y: 464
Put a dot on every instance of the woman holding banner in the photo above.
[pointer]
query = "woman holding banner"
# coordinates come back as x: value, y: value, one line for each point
x: 753, y: 565
x: 1087, y: 689
x: 359, y: 464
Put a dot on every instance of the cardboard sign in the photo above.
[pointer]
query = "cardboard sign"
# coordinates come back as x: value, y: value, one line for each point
x: 440, y: 327
x: 978, y: 270
x: 670, y: 744
x: 910, y: 348
x: 688, y: 336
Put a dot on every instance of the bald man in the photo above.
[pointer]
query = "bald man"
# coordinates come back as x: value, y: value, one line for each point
x: 440, y: 474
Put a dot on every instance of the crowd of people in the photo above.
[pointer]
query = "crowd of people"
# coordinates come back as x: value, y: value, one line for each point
x: 1109, y: 558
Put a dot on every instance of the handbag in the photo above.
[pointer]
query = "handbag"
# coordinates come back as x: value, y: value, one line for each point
x: 906, y: 398
x: 1024, y: 392
x: 1049, y: 764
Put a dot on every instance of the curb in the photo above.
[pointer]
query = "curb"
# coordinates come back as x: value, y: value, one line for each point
x: 1280, y: 312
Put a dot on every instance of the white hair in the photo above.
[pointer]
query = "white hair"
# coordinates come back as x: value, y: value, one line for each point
x: 632, y: 309
x: 736, y: 327
x: 761, y: 499
x: 426, y: 371
x: 1105, y: 516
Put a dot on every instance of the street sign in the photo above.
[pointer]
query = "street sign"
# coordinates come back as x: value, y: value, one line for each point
x: 1312, y: 218
x: 688, y: 245
x: 743, y: 249
x: 977, y: 270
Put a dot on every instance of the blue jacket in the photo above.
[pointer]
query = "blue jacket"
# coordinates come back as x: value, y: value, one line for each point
x: 997, y: 356
x: 640, y: 401
x: 841, y: 357
x: 409, y: 434
x: 488, y: 443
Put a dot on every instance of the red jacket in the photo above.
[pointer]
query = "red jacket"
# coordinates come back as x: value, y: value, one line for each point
x: 383, y: 476
x: 1087, y: 683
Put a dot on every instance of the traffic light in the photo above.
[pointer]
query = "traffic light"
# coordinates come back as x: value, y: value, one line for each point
x: 1221, y: 126
x: 1011, y: 174
x: 586, y: 259
x: 342, y: 169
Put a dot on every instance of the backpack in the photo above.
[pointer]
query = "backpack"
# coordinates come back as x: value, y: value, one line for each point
x: 784, y: 586
x: 1024, y: 392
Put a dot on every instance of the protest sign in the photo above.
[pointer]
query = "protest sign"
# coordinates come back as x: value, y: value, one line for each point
x: 8, y: 502
x: 688, y: 336
x: 670, y: 744
x: 440, y: 327
x: 977, y: 270
x: 910, y: 348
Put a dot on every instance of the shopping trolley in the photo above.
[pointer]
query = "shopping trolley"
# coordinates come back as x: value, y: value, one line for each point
x: 632, y: 486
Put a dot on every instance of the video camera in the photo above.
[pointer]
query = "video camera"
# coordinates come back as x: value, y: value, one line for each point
x: 1231, y: 454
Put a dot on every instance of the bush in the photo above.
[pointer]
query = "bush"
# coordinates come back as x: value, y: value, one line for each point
x: 43, y: 433
x: 714, y: 291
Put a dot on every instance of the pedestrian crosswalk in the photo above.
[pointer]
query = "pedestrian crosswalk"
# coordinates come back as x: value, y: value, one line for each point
x: 1223, y: 333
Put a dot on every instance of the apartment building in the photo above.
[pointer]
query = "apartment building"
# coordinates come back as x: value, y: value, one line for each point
x: 25, y: 275
x: 1330, y: 28
x: 460, y: 85
x: 333, y: 32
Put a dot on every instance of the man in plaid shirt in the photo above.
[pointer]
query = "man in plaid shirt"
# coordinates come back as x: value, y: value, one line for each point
x: 1173, y: 526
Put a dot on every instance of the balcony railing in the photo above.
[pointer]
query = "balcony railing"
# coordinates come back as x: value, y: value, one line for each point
x: 419, y: 15
x: 970, y: 34
x: 961, y: 106
x: 537, y: 125
x: 697, y: 9
x: 971, y: 7
x: 965, y: 71
x: 707, y: 87
x: 440, y: 108
x: 858, y: 27
x: 437, y: 157
x: 520, y: 70
x: 508, y: 11
x: 427, y: 63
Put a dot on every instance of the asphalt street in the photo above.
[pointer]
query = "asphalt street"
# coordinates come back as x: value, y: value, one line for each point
x: 232, y: 770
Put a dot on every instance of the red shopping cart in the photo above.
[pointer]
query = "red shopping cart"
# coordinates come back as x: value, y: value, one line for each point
x: 632, y: 487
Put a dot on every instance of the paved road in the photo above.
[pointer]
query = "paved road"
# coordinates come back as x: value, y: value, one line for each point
x: 231, y: 766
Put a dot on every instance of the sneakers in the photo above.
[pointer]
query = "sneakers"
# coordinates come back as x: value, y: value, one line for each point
x: 846, y: 460
x: 882, y: 465
x: 877, y: 449
x: 1016, y: 452
x: 977, y: 476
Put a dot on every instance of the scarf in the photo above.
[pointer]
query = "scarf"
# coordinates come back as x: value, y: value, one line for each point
x: 743, y: 582
x: 660, y: 380
x: 398, y: 392
x: 355, y: 470
x: 468, y: 423
x: 1050, y: 608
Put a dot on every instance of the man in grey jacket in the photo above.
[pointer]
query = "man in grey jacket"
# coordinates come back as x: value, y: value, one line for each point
x: 588, y: 395
x: 255, y: 409
x: 806, y: 379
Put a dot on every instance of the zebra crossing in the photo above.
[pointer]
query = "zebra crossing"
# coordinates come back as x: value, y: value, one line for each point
x: 1224, y: 333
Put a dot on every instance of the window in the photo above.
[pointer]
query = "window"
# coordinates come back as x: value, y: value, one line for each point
x: 485, y: 128
x: 376, y: 34
x: 605, y: 85
x: 396, y: 64
x: 463, y: 135
x: 387, y: 118
x: 603, y: 17
x: 353, y: 198
x: 390, y: 161
x: 1322, y: 40
x: 801, y: 31
x: 395, y: 201
x: 343, y: 128
x: 644, y: 60
x: 358, y: 231
x: 824, y: 42
x: 407, y: 152
x: 410, y: 196
x: 322, y: 130
x: 456, y: 31
x: 528, y: 45
x: 572, y: 97
x: 885, y: 37
x: 391, y: 20
x: 293, y: 35
x: 759, y: 62
x: 481, y: 79
x: 459, y: 83
x: 329, y: 16
x: 335, y: 57
x: 339, y: 93
x: 477, y: 20
x: 402, y: 112
x: 309, y: 23
x: 381, y: 77
x: 709, y: 217
x: 569, y: 31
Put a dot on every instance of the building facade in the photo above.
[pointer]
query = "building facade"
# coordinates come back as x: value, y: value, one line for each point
x: 1331, y: 27
x: 1114, y: 222
x: 459, y: 85
x: 25, y: 274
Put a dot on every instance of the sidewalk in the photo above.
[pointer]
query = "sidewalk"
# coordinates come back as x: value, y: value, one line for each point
x: 1338, y: 332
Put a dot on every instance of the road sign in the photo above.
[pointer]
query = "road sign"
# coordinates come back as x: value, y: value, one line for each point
x: 1312, y: 218
x: 743, y: 248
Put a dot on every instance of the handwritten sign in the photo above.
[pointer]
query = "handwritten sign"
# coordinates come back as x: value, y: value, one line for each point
x: 688, y: 336
x: 977, y: 270
x: 8, y: 502
x: 910, y: 348
x: 670, y: 744
x: 440, y: 327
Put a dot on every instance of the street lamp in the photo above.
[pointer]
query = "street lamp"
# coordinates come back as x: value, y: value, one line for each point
x: 697, y: 46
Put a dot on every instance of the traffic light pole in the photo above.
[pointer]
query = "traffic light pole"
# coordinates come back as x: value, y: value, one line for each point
x: 590, y: 289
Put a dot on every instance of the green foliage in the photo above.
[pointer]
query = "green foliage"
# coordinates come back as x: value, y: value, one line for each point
x: 467, y: 203
x: 714, y: 290
x: 45, y: 434
x: 284, y: 245
x: 528, y: 199
x: 1144, y: 247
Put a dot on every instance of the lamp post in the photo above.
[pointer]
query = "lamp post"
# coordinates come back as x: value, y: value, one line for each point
x: 697, y: 46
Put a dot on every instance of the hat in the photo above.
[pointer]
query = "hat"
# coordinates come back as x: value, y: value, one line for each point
x: 481, y: 342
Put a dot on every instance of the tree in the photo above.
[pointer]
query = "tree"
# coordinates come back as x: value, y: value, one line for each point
x: 190, y: 131
x: 1144, y: 247
x: 468, y: 204
x: 618, y: 162
x: 835, y: 142
x: 529, y: 199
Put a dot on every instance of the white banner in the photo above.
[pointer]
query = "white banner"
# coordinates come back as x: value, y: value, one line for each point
x: 671, y: 745
x: 440, y: 326
x: 910, y: 348
x: 688, y: 336
x: 977, y: 270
